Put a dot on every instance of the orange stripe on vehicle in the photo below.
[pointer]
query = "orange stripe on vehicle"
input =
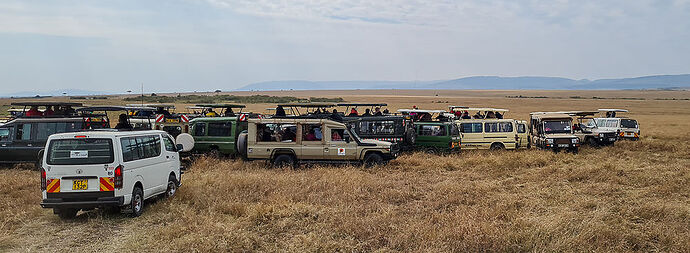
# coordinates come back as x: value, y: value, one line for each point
x: 53, y: 185
x: 107, y: 184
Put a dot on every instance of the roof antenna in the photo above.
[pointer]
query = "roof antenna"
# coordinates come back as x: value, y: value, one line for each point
x: 142, y: 94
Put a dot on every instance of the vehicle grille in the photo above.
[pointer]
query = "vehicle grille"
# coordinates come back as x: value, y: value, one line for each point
x: 562, y: 141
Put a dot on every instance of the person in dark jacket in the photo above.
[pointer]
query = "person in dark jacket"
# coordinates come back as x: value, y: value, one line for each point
x: 123, y: 123
x: 280, y: 112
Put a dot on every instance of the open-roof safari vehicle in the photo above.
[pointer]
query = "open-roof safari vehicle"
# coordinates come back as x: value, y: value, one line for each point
x: 625, y: 128
x: 587, y: 130
x: 289, y: 141
x: 217, y: 134
x: 306, y: 110
x: 436, y: 132
x: 488, y: 128
x: 23, y: 136
x: 553, y: 130
x: 166, y: 119
x: 223, y: 110
x: 375, y: 124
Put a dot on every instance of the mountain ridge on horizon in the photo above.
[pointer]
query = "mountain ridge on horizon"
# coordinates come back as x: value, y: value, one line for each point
x: 485, y: 83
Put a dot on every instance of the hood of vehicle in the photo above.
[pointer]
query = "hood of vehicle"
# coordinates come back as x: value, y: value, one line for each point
x: 377, y: 142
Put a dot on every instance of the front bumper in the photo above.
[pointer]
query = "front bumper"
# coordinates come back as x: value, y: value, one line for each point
x: 562, y: 146
x: 81, y: 200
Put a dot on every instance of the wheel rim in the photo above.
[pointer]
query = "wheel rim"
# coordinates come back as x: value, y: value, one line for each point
x: 172, y: 188
x: 137, y: 203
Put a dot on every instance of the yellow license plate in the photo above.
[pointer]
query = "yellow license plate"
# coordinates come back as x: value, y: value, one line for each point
x: 80, y: 184
x: 172, y: 120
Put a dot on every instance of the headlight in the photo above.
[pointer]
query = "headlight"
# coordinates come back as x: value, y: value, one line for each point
x: 601, y: 135
x: 550, y: 141
x: 576, y: 140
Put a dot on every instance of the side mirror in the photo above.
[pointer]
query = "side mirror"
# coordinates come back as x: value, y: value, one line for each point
x: 179, y: 147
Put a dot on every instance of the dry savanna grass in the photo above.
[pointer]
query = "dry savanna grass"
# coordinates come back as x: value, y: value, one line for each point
x: 633, y: 196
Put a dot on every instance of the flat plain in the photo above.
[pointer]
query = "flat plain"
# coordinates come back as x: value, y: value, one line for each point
x: 634, y: 196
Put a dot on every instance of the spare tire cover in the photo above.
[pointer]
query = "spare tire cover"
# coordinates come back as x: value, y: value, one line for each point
x: 186, y: 140
x: 242, y: 144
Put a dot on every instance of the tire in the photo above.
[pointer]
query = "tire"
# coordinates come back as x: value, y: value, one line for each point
x: 242, y: 144
x: 529, y: 142
x: 372, y: 159
x: 410, y: 137
x: 137, y: 202
x: 284, y: 160
x: 592, y: 142
x: 497, y: 146
x: 172, y: 187
x: 213, y: 152
x: 67, y: 213
x: 431, y: 151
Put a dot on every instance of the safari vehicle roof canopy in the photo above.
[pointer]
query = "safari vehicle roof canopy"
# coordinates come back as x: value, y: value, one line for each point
x: 613, y: 110
x: 361, y: 104
x: 46, y: 103
x: 114, y: 108
x: 309, y: 105
x: 221, y: 105
x: 165, y: 106
x: 550, y: 115
x: 421, y: 111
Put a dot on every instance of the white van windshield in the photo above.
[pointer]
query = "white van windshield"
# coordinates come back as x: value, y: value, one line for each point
x: 555, y: 127
x: 80, y: 151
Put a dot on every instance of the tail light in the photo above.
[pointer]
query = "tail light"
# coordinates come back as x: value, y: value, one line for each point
x: 43, y: 179
x: 118, y: 177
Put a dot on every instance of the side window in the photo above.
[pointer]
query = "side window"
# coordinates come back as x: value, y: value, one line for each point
x: 130, y: 151
x: 432, y: 130
x: 312, y: 132
x: 521, y: 128
x: 200, y: 129
x: 4, y: 134
x: 219, y: 129
x: 377, y: 127
x: 169, y: 144
x: 338, y: 134
x: 471, y: 127
x: 150, y: 144
x: 24, y: 132
x: 498, y: 127
x: 276, y: 133
x: 611, y: 123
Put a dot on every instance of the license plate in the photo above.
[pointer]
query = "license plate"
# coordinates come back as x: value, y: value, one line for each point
x: 172, y: 120
x: 80, y: 184
x: 612, y: 139
x: 563, y: 145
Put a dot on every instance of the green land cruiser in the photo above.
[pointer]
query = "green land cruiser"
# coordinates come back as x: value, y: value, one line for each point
x: 436, y: 132
x: 217, y: 135
x: 289, y: 141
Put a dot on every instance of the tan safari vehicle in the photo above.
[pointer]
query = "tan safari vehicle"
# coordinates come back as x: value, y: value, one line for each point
x: 553, y: 130
x: 290, y: 141
x: 487, y: 128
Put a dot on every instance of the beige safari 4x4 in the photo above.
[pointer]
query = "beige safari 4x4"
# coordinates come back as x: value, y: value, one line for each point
x: 289, y: 141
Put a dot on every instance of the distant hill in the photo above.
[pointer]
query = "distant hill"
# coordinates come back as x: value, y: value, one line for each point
x: 486, y: 83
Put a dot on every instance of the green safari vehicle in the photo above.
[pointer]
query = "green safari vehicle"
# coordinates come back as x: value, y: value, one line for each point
x: 217, y: 135
x: 437, y: 136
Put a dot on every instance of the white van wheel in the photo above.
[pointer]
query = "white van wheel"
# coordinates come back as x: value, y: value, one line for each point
x: 137, y: 202
x: 172, y: 187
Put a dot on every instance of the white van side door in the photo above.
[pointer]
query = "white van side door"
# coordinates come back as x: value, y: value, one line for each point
x: 172, y: 160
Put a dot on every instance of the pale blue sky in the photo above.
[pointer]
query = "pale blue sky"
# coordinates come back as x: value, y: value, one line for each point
x: 186, y: 45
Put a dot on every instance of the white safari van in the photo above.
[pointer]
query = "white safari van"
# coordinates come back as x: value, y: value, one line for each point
x: 625, y: 128
x: 108, y: 169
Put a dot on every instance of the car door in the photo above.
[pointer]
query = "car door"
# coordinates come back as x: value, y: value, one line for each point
x: 522, y: 134
x: 172, y: 162
x: 5, y: 143
x: 312, y: 141
x: 339, y: 144
x: 472, y: 135
x: 23, y: 144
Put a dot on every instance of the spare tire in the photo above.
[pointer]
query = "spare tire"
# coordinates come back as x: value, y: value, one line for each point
x: 410, y: 136
x: 186, y: 140
x: 241, y: 144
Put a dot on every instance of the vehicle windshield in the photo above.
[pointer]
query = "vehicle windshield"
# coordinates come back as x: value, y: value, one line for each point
x: 556, y: 127
x: 629, y: 123
x: 80, y: 151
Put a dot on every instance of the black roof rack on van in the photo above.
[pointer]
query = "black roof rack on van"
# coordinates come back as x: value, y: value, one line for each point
x: 46, y: 103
